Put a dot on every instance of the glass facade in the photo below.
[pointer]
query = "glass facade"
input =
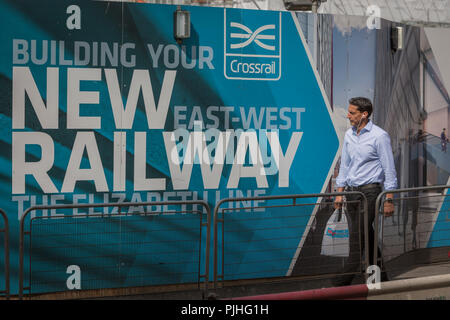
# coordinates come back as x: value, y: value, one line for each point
x: 417, y: 12
x: 412, y: 105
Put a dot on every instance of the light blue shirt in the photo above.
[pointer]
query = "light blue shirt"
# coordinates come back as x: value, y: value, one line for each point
x: 367, y: 158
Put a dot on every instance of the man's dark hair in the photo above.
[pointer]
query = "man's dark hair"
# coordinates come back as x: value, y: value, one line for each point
x: 363, y: 104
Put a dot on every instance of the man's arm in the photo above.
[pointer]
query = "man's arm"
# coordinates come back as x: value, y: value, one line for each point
x: 342, y: 176
x: 390, y: 174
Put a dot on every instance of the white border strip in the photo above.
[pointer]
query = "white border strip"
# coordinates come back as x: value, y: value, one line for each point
x: 330, y: 172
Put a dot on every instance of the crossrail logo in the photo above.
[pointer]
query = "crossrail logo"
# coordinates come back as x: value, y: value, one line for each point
x: 252, y: 55
x: 252, y: 36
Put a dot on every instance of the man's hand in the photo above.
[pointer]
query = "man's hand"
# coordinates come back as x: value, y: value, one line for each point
x: 388, y: 207
x: 338, y: 202
x: 339, y: 199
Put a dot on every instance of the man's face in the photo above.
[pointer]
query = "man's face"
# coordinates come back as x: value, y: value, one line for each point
x: 354, y: 115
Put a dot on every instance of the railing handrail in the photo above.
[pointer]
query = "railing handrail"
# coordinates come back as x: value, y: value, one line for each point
x: 293, y: 196
x: 5, y: 219
x: 426, y: 135
x: 377, y: 208
x: 107, y: 205
x: 429, y: 134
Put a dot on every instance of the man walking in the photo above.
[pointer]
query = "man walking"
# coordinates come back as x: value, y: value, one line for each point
x: 367, y: 164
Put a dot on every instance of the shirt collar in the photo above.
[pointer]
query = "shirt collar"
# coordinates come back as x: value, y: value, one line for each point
x: 367, y: 127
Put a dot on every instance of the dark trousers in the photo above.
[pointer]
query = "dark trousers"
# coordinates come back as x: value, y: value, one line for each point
x: 355, y: 209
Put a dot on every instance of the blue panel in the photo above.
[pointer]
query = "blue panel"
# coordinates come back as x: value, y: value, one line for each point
x: 122, y: 86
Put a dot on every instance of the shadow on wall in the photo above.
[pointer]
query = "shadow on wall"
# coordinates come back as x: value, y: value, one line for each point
x: 310, y: 262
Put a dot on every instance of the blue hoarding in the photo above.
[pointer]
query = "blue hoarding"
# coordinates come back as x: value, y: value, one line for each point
x: 101, y: 104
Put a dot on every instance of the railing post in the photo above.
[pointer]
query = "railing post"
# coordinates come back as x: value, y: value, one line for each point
x: 366, y: 236
x: 208, y: 247
x: 6, y: 231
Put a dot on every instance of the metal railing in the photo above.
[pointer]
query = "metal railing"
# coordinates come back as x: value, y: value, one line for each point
x: 5, y: 231
x: 418, y: 215
x: 418, y: 234
x: 275, y: 239
x: 140, y: 248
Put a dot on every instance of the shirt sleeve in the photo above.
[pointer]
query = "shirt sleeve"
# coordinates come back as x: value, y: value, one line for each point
x: 343, y: 169
x: 387, y: 162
